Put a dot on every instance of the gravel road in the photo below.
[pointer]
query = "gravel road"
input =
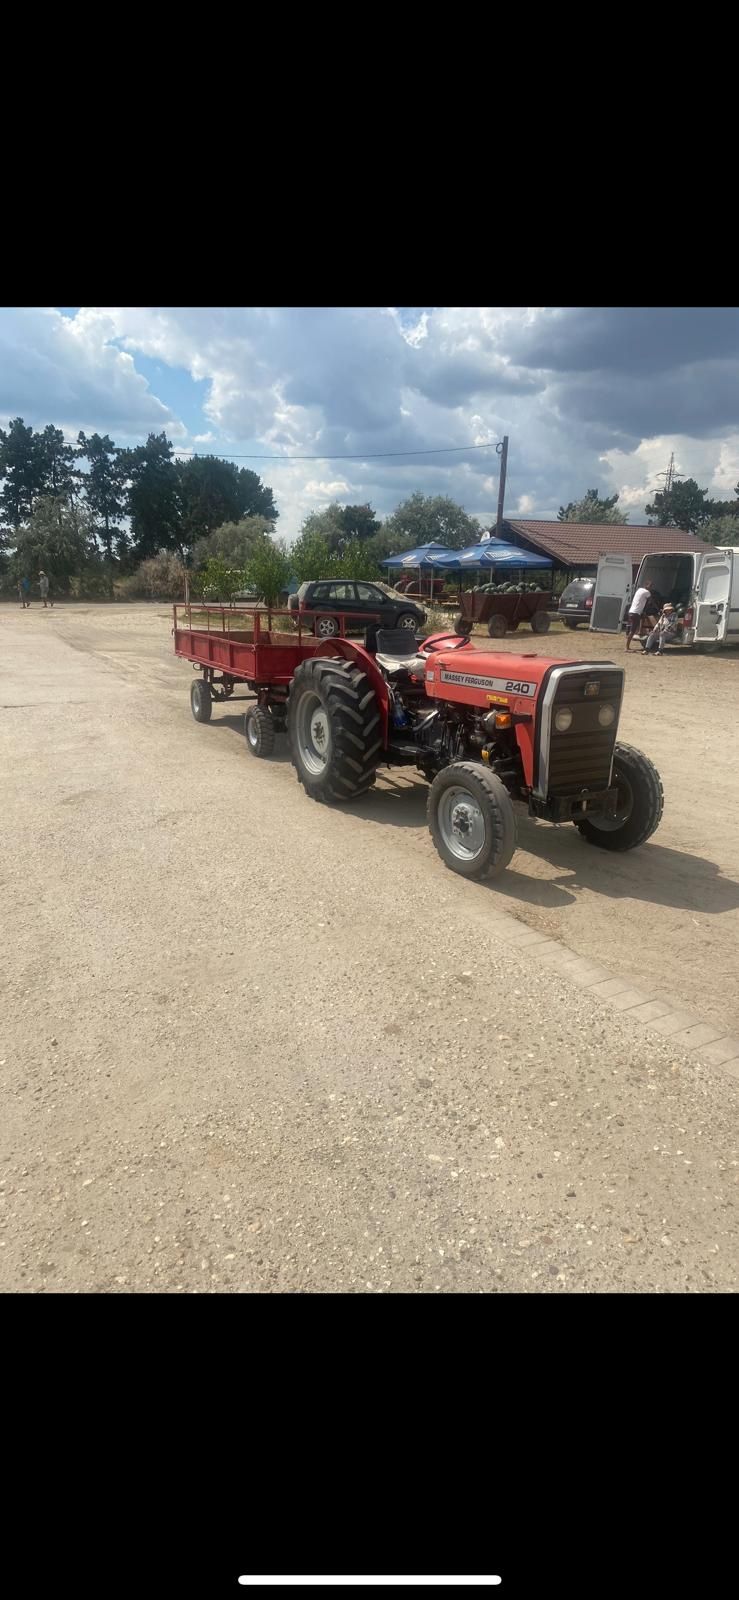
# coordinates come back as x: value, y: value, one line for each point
x: 253, y: 1044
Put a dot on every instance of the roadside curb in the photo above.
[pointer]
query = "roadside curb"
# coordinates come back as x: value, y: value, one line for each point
x: 710, y: 1045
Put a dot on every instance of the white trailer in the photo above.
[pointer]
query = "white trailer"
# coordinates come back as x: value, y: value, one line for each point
x: 703, y: 586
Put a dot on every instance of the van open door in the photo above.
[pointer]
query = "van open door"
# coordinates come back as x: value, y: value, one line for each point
x: 612, y: 590
x: 714, y: 588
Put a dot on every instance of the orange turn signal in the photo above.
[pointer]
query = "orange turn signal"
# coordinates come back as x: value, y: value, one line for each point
x: 503, y: 719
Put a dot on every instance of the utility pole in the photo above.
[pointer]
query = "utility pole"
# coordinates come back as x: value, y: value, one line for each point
x: 502, y: 451
x: 670, y: 475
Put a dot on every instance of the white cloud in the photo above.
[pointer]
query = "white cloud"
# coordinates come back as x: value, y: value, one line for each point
x: 332, y: 383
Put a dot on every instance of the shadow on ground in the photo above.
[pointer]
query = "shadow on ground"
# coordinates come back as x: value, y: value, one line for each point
x: 654, y: 874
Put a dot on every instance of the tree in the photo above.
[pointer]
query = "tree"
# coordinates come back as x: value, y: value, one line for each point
x: 310, y: 556
x: 104, y: 486
x: 327, y: 525
x: 592, y: 509
x: 22, y: 468
x: 257, y: 499
x: 356, y: 561
x: 214, y: 491
x: 152, y: 496
x: 57, y: 463
x: 423, y: 518
x: 218, y: 580
x: 721, y: 530
x: 683, y: 506
x: 56, y: 540
x: 233, y: 542
x: 268, y: 569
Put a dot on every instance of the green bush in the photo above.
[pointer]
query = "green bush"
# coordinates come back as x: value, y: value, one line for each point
x: 160, y: 578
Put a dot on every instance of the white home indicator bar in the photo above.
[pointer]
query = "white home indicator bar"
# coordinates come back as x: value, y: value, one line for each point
x: 468, y: 1582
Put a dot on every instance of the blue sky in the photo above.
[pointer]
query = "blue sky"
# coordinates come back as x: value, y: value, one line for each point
x: 593, y: 396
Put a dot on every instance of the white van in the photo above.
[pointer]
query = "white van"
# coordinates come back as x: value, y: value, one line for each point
x: 704, y: 588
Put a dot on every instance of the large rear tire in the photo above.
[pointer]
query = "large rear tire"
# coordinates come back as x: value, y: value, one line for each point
x: 639, y: 806
x: 201, y: 700
x: 472, y: 820
x: 334, y: 729
x: 540, y: 622
x: 498, y: 626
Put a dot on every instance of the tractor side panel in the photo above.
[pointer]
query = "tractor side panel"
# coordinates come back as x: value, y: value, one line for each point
x: 493, y: 679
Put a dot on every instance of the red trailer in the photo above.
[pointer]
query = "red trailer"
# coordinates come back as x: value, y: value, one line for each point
x: 234, y: 646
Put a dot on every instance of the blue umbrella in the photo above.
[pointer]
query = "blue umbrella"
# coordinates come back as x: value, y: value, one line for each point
x: 425, y: 555
x: 492, y: 553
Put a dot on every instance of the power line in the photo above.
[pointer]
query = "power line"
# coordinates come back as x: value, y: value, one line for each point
x: 372, y: 455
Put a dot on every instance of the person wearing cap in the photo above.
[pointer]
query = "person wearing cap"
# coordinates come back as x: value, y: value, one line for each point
x: 664, y: 632
x: 643, y: 608
x: 43, y: 584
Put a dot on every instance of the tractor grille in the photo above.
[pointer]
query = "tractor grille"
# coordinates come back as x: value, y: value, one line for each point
x: 581, y: 757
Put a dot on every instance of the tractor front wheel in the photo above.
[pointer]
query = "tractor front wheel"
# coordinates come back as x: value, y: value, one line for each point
x: 472, y: 820
x: 334, y: 728
x: 639, y: 804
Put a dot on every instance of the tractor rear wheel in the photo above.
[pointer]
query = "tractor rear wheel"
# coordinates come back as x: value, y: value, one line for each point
x: 334, y: 728
x: 463, y: 626
x: 638, y: 808
x: 472, y: 820
x: 259, y: 731
x: 201, y: 700
x: 498, y: 625
x: 540, y: 622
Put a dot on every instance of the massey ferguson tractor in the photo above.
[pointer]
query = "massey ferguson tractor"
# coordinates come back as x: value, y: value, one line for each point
x: 488, y: 731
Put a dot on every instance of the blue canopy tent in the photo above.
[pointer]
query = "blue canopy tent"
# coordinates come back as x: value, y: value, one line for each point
x: 425, y: 557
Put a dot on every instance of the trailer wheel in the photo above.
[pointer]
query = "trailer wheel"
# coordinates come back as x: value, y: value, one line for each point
x: 333, y: 724
x: 569, y: 622
x: 201, y: 700
x: 259, y: 731
x: 639, y: 806
x: 540, y: 622
x: 463, y: 626
x: 472, y: 820
x: 498, y: 625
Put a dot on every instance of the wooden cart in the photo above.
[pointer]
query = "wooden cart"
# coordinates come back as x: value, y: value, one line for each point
x: 503, y: 612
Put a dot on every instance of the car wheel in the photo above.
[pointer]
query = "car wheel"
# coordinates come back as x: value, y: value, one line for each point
x: 326, y: 628
x: 407, y: 620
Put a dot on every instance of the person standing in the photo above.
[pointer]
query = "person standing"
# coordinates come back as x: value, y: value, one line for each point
x: 43, y: 584
x: 24, y: 593
x: 641, y: 604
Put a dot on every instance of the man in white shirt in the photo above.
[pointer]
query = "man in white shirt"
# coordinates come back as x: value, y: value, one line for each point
x: 641, y: 603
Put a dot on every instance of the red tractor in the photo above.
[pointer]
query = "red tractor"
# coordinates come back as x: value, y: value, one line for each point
x: 488, y: 730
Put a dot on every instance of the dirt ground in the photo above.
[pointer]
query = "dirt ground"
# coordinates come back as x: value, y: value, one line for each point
x: 254, y: 1044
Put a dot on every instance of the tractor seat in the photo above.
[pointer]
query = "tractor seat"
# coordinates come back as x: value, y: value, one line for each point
x: 397, y: 651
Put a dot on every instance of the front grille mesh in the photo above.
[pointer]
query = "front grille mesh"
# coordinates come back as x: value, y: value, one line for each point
x: 581, y: 757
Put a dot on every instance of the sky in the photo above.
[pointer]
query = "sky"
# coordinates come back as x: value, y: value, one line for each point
x: 589, y: 396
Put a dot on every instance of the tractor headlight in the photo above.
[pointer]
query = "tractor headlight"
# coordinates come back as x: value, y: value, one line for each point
x: 606, y: 715
x: 563, y: 719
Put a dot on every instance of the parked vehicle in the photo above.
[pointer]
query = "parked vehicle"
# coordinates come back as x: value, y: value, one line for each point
x: 576, y: 602
x: 502, y: 607
x: 329, y: 598
x: 703, y: 586
x: 492, y: 734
